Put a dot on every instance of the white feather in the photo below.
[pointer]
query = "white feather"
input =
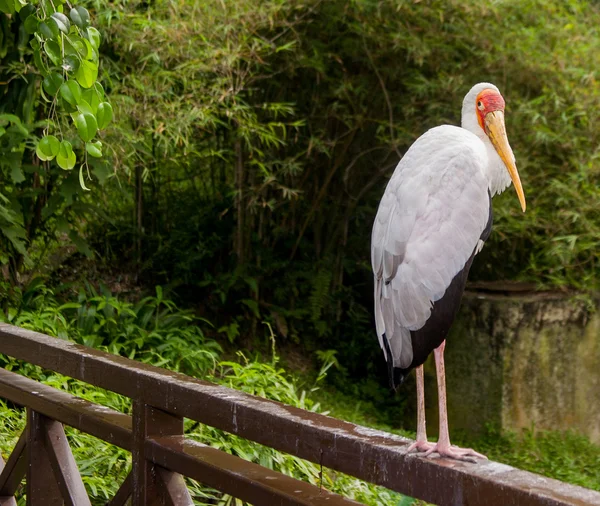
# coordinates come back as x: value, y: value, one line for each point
x: 429, y: 222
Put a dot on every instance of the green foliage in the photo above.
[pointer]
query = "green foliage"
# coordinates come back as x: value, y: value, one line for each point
x: 256, y: 144
x: 153, y: 330
x: 51, y: 105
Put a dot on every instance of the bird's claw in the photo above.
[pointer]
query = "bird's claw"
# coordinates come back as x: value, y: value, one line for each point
x: 420, y: 446
x: 446, y: 451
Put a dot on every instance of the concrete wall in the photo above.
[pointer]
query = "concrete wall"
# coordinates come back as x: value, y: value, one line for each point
x: 521, y: 361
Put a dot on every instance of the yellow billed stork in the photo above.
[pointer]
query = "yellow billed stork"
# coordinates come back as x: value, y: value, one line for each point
x: 435, y: 214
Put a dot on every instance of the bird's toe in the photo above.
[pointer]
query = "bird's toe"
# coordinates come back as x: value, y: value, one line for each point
x: 421, y: 446
x: 457, y: 453
x: 446, y: 451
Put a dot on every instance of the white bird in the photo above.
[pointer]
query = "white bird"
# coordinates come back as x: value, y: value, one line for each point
x: 434, y: 216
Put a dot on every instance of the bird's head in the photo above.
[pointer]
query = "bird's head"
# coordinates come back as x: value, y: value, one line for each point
x: 483, y: 112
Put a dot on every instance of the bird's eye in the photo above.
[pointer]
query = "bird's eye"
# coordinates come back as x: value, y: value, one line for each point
x: 480, y: 105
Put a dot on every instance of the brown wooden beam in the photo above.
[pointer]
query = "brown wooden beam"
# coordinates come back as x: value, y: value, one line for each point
x: 15, y: 468
x: 237, y: 477
x: 4, y: 499
x: 175, y: 491
x: 41, y: 486
x: 103, y: 423
x: 63, y: 464
x: 123, y: 494
x: 147, y: 489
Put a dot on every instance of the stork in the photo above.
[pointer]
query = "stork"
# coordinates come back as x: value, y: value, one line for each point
x: 435, y: 214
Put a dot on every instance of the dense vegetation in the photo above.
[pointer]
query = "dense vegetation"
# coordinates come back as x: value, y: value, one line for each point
x: 254, y: 144
x: 252, y: 147
x: 154, y: 330
x: 249, y: 149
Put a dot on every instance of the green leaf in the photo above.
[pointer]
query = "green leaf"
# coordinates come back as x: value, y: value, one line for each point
x: 102, y: 172
x: 4, y: 118
x: 80, y: 243
x: 93, y: 37
x: 405, y: 501
x: 99, y: 90
x: 83, y: 106
x: 26, y: 11
x: 71, y: 92
x: 93, y: 98
x: 94, y: 149
x: 81, y: 181
x: 104, y: 115
x: 253, y: 305
x: 66, y: 106
x: 47, y: 148
x: 87, y: 73
x: 39, y: 63
x: 95, y: 56
x: 19, y: 4
x: 62, y: 22
x: 52, y: 49
x: 71, y: 63
x: 16, y: 174
x: 79, y: 46
x: 92, y: 54
x: 69, y: 305
x: 65, y: 157
x: 31, y: 24
x: 62, y: 225
x: 52, y: 83
x: 80, y: 16
x: 86, y: 126
x: 7, y: 6
x: 15, y: 234
x: 49, y: 28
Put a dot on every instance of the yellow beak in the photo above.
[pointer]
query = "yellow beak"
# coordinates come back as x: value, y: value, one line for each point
x: 496, y: 131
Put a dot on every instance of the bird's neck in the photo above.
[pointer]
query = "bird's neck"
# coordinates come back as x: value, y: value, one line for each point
x: 497, y: 174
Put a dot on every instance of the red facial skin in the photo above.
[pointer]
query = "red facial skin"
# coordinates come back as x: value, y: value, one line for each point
x: 491, y: 101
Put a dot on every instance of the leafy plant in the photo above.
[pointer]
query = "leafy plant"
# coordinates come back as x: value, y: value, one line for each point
x: 51, y: 110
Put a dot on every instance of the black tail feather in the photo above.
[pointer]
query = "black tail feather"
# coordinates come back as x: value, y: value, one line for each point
x: 396, y: 374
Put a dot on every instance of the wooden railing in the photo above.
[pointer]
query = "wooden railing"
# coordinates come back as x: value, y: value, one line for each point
x: 162, y: 455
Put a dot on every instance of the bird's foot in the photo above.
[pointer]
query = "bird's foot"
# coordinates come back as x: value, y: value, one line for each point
x: 421, y: 446
x: 446, y: 450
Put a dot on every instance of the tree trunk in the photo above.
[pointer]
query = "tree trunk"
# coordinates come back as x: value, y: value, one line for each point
x: 239, y: 201
x: 139, y: 201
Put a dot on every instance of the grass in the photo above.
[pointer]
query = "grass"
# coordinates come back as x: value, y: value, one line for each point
x: 566, y: 456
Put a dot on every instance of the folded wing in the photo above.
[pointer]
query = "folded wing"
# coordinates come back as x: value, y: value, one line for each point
x: 428, y: 224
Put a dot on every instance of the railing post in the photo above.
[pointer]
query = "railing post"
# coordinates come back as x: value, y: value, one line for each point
x: 148, y: 489
x: 42, y: 488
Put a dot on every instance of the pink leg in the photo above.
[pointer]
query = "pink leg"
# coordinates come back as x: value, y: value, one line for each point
x: 421, y: 443
x: 443, y: 446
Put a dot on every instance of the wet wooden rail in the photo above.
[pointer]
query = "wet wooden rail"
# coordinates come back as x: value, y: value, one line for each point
x: 161, y: 454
